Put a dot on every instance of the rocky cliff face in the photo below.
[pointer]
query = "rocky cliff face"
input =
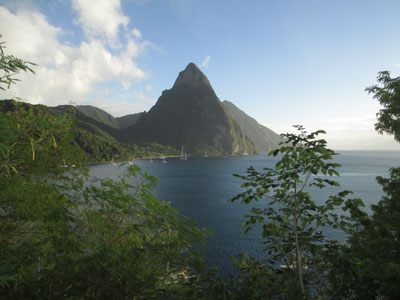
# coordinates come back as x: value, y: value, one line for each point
x: 190, y: 115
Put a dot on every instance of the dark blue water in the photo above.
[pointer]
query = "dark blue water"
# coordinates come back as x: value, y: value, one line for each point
x: 199, y: 188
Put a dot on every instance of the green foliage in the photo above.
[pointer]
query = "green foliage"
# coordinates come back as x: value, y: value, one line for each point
x: 94, y: 144
x: 369, y: 267
x: 33, y: 140
x: 103, y: 117
x: 66, y: 235
x: 372, y: 258
x: 253, y: 281
x: 100, y: 143
x: 99, y: 146
x: 388, y: 95
x: 11, y: 66
x: 97, y: 114
x: 33, y: 143
x: 292, y: 222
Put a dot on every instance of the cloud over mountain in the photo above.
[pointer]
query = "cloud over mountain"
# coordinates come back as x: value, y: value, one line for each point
x: 206, y: 61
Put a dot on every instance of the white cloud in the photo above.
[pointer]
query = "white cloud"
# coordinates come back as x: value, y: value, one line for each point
x: 149, y: 87
x: 102, y: 18
x: 136, y: 32
x: 65, y: 73
x: 205, y: 62
x: 132, y: 49
x: 126, y: 85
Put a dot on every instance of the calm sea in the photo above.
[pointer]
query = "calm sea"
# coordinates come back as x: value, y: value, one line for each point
x: 199, y: 188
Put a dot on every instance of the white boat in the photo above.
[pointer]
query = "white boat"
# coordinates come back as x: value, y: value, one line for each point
x: 130, y: 161
x: 163, y: 160
x: 112, y: 162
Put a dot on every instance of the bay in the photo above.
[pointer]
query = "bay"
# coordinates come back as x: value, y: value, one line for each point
x: 200, y: 187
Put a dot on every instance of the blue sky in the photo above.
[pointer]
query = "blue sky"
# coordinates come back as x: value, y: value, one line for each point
x: 282, y: 62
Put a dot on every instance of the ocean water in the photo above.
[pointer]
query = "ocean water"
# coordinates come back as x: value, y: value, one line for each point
x: 200, y: 187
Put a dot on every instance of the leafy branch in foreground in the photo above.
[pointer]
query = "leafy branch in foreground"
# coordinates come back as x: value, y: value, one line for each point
x: 372, y: 258
x: 292, y: 222
x: 388, y: 95
x: 66, y: 235
x: 11, y: 66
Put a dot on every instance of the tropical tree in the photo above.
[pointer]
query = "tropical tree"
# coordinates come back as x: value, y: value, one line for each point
x: 292, y: 222
x: 373, y: 255
x: 387, y: 92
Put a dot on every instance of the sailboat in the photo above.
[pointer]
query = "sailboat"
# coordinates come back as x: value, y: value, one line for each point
x: 163, y: 159
x: 130, y: 161
x: 183, y: 155
x: 112, y: 161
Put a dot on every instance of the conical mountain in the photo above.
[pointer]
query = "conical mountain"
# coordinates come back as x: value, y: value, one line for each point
x: 190, y: 115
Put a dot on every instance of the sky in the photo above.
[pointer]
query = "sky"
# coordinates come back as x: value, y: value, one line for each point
x: 282, y: 62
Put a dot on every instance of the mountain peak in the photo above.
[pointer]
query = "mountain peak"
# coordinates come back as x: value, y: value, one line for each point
x: 192, y: 77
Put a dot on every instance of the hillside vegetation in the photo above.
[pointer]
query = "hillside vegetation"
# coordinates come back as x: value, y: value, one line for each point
x: 93, y: 137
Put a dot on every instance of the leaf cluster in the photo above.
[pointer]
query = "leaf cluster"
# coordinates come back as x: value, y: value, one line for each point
x: 10, y: 66
x: 33, y: 140
x: 387, y: 92
x: 372, y: 258
x: 292, y: 222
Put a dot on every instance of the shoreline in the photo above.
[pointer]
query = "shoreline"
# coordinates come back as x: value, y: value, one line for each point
x: 166, y: 157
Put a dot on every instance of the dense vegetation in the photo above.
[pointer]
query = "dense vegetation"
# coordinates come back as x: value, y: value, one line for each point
x: 104, y: 148
x: 96, y: 144
x: 64, y: 235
